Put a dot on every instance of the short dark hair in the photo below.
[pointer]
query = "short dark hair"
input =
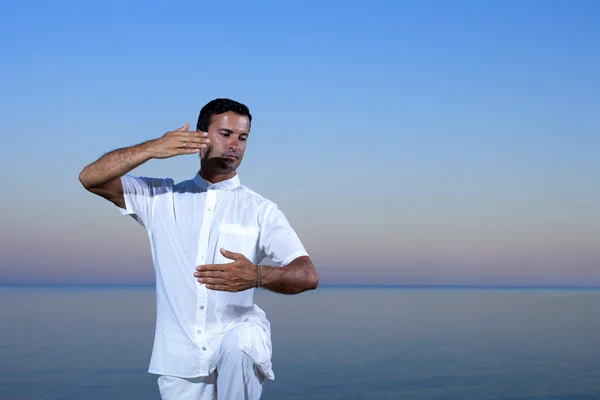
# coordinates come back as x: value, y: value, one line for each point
x: 220, y: 106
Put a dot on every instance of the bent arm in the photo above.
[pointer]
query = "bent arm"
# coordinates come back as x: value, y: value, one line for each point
x: 298, y: 276
x: 103, y: 177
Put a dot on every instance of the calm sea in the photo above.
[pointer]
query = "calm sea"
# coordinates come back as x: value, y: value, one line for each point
x: 334, y: 343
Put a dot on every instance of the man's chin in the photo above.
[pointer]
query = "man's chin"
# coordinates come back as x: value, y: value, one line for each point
x: 226, y: 166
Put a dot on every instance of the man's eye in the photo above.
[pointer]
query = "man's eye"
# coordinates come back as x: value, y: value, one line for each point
x: 243, y: 138
x: 225, y: 134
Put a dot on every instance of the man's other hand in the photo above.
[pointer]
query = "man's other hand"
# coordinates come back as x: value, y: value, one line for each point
x: 236, y: 276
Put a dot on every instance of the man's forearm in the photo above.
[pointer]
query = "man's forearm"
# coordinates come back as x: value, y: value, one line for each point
x: 114, y: 165
x: 119, y: 162
x: 296, y: 277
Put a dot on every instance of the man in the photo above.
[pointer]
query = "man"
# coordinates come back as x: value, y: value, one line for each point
x: 207, y: 235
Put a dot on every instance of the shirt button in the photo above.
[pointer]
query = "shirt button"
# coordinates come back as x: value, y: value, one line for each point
x: 202, y: 307
x: 198, y: 331
x: 204, y: 348
x: 209, y: 207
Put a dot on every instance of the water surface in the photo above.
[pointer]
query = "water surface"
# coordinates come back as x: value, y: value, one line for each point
x: 348, y: 343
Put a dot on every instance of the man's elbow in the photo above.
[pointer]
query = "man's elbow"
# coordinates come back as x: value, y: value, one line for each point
x: 84, y: 180
x: 306, y: 277
x: 313, y: 280
x: 312, y: 277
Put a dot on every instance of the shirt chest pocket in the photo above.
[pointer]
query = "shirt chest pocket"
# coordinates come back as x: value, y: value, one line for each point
x: 238, y: 239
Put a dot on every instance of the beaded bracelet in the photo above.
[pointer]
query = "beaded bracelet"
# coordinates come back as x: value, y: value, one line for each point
x: 258, y: 276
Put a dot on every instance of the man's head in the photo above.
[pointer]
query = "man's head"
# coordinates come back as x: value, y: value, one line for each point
x: 228, y: 125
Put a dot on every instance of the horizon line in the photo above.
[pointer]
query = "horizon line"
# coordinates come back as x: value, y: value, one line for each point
x: 328, y: 286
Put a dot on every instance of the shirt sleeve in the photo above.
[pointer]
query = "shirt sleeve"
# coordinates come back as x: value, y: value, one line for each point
x: 140, y: 193
x: 278, y: 241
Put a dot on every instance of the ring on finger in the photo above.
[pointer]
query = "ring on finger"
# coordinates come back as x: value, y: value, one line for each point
x: 183, y: 146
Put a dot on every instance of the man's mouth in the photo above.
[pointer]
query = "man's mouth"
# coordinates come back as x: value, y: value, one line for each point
x: 230, y: 156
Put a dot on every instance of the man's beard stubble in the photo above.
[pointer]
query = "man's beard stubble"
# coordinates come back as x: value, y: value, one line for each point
x: 217, y: 164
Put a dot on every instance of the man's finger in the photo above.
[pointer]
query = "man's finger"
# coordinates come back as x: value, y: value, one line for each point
x: 185, y: 127
x: 192, y: 139
x: 194, y: 134
x: 193, y: 146
x: 205, y: 140
x: 230, y: 254
x: 211, y: 267
x: 212, y: 281
x: 195, y: 138
x: 219, y: 287
x: 209, y: 274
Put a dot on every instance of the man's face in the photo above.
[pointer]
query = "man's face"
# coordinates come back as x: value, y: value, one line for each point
x: 228, y: 133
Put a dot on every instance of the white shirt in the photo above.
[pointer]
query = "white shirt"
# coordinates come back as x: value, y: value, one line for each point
x: 187, y: 224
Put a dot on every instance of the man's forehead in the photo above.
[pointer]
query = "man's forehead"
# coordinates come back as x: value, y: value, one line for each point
x: 232, y: 121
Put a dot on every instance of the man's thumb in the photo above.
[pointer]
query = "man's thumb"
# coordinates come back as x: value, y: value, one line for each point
x: 185, y: 127
x: 229, y: 254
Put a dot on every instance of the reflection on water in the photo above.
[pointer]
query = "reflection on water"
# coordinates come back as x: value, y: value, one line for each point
x: 95, y: 343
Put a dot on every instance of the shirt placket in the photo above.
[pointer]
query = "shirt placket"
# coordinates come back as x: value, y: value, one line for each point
x: 202, y: 293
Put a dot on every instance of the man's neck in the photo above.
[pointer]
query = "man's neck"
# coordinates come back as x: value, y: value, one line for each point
x: 214, y: 177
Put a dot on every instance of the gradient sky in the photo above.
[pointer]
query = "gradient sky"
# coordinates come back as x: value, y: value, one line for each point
x: 408, y: 142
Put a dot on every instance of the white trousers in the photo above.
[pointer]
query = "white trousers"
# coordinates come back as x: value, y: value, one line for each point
x: 235, y: 378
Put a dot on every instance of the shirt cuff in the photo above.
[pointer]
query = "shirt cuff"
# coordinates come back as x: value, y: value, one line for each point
x: 293, y: 256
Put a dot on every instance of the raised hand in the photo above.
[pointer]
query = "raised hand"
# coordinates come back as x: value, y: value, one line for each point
x: 236, y: 276
x: 178, y: 142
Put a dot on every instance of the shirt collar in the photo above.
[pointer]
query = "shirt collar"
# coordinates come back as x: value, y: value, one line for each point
x: 228, y: 184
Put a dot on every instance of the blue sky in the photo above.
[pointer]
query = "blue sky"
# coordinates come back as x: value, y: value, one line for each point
x: 416, y: 142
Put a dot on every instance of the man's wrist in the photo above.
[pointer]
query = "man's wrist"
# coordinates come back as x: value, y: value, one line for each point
x: 147, y: 149
x: 258, y: 277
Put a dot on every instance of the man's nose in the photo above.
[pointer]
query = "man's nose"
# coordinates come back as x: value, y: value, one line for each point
x: 234, y: 144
